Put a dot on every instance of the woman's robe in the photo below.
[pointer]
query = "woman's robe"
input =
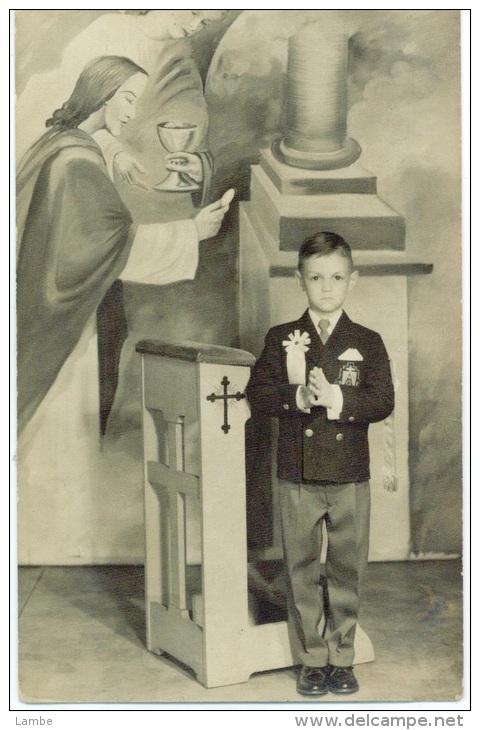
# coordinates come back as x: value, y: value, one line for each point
x: 76, y: 238
x: 80, y: 497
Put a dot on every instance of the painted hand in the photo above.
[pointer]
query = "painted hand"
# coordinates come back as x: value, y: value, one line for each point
x: 188, y: 165
x: 129, y: 169
x: 209, y: 219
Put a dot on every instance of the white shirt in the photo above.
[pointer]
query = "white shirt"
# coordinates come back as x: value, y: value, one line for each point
x: 332, y: 319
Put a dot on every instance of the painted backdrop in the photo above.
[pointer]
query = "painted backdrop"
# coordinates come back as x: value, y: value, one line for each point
x: 79, y: 503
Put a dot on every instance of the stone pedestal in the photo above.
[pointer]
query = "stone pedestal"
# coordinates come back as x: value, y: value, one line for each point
x: 287, y: 205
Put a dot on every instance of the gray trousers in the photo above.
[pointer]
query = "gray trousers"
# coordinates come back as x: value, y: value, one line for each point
x: 345, y: 511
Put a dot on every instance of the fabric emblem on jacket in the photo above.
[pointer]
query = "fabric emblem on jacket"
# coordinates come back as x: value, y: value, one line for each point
x: 296, y: 347
x: 349, y: 375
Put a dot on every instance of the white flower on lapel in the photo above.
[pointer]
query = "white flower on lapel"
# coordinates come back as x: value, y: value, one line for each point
x: 297, y: 340
x: 296, y: 347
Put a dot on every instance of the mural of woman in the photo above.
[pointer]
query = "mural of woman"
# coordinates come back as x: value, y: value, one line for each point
x: 159, y: 42
x: 76, y: 235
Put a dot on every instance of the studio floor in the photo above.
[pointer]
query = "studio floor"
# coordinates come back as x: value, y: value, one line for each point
x: 81, y: 634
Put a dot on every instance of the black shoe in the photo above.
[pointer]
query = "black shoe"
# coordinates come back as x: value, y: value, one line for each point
x: 313, y: 681
x: 341, y: 680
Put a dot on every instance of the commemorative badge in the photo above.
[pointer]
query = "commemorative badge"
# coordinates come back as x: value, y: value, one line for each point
x: 349, y: 375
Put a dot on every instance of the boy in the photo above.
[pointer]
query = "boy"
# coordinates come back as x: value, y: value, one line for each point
x: 325, y: 378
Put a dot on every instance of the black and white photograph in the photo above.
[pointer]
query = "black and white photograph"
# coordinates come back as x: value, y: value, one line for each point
x: 239, y: 463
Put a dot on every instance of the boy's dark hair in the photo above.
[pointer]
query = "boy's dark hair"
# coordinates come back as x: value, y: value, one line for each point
x: 322, y: 244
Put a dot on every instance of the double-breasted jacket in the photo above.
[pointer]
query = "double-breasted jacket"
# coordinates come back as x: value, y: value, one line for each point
x: 311, y: 446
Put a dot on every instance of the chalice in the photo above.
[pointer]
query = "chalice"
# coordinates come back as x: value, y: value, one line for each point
x: 178, y: 136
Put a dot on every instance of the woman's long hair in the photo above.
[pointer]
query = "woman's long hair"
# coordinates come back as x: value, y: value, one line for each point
x: 98, y: 82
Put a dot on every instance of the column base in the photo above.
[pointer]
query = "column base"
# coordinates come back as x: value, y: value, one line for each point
x: 317, y: 160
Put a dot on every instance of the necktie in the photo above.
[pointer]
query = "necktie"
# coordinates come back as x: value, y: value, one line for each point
x: 324, y: 324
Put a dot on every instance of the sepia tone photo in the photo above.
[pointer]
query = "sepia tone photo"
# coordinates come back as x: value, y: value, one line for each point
x: 239, y: 356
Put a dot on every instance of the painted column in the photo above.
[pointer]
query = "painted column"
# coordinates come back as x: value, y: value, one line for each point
x: 310, y: 181
x: 316, y: 133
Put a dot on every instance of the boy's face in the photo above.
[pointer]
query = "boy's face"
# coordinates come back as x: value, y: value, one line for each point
x: 326, y: 280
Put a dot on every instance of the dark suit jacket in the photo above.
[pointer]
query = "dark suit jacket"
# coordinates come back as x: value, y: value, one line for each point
x: 310, y: 446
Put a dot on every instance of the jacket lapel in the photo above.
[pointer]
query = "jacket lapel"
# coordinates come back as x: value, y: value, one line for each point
x: 339, y: 340
x: 315, y: 348
x: 344, y: 337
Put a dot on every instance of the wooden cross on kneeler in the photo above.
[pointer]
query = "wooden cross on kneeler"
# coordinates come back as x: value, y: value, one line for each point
x: 226, y: 395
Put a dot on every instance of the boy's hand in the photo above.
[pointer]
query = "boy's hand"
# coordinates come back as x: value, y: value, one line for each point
x: 129, y: 169
x: 305, y: 398
x: 320, y: 389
